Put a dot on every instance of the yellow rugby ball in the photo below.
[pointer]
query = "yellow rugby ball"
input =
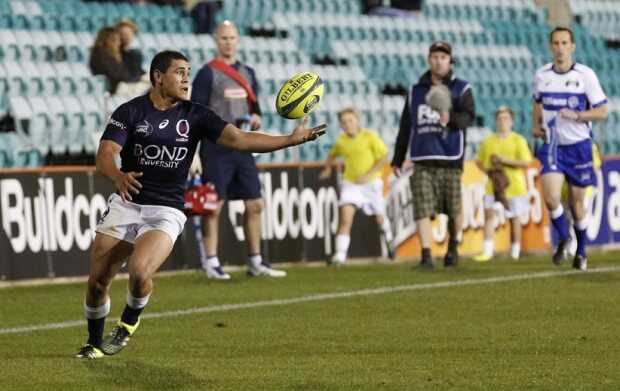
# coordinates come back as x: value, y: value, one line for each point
x: 300, y: 95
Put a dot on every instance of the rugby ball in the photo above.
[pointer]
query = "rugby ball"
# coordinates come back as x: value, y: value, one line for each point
x: 300, y: 95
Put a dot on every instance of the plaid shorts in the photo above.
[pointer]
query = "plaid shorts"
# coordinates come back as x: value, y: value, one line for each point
x: 436, y: 190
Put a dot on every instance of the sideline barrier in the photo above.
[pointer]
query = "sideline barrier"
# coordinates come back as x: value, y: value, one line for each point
x: 535, y: 233
x: 48, y: 217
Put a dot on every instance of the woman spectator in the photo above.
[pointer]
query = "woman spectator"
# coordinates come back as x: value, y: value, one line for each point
x: 106, y: 57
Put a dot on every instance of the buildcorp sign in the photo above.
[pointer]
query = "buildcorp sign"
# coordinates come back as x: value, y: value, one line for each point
x: 48, y: 220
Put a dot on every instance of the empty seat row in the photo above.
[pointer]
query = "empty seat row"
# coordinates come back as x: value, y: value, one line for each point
x: 15, y: 152
x: 58, y: 124
x: 336, y: 79
x: 46, y: 78
x: 258, y: 12
x: 314, y: 32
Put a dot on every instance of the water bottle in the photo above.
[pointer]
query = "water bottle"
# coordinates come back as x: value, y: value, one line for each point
x: 196, y: 180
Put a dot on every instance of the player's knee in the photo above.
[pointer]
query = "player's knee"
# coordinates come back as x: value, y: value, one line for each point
x: 552, y: 203
x: 139, y: 279
x: 254, y: 206
x: 98, y: 287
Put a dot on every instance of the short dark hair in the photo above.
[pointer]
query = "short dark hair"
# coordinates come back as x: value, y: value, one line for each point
x: 162, y: 60
x: 559, y: 29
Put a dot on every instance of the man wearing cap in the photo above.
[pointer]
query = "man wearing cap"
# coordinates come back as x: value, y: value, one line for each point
x: 438, y: 110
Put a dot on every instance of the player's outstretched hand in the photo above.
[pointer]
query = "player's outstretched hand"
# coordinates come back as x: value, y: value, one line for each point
x: 127, y: 184
x: 302, y: 134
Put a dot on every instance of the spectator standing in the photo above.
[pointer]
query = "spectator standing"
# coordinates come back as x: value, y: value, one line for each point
x: 434, y: 140
x: 230, y: 88
x: 506, y: 152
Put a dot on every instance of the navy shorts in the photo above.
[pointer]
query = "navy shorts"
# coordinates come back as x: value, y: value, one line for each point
x: 233, y: 173
x: 574, y: 161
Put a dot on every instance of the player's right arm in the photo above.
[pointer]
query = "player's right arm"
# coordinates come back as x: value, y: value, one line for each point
x: 112, y: 141
x: 327, y: 171
x: 537, y: 130
x: 402, y: 140
x: 125, y: 182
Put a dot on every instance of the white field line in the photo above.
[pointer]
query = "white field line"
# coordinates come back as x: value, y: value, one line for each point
x: 323, y: 296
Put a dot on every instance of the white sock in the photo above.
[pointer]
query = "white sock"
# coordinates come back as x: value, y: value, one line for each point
x: 137, y: 302
x: 557, y: 212
x: 213, y: 262
x: 255, y: 259
x: 386, y: 229
x: 97, y: 312
x: 342, y: 246
x: 582, y: 224
x: 487, y: 247
x: 515, y: 250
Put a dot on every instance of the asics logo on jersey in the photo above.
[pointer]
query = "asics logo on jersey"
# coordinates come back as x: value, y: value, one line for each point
x: 163, y: 124
x: 116, y: 123
x: 572, y: 83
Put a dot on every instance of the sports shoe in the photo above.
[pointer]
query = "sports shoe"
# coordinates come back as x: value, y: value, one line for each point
x: 264, y: 269
x: 391, y: 249
x: 118, y: 337
x: 580, y: 262
x: 483, y: 257
x: 425, y: 263
x: 451, y: 259
x: 560, y: 252
x: 89, y: 351
x: 334, y: 261
x: 216, y: 273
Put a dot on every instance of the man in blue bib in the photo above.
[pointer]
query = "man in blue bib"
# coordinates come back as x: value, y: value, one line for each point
x: 433, y: 139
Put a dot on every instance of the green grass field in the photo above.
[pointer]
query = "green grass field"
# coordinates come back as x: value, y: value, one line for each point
x: 494, y: 326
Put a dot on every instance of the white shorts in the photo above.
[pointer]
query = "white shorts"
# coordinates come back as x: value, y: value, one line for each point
x: 367, y: 196
x: 518, y: 205
x: 126, y: 220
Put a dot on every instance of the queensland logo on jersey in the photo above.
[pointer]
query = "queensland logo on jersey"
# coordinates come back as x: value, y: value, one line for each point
x: 163, y: 124
x: 573, y: 102
x: 574, y: 83
x: 144, y: 128
x: 183, y: 130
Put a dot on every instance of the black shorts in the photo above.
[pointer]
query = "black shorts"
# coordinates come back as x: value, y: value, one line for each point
x: 233, y: 173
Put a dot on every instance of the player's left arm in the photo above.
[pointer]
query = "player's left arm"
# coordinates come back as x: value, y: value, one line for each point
x: 234, y: 138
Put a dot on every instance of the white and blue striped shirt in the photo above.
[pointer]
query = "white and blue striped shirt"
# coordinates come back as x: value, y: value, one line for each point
x: 578, y: 90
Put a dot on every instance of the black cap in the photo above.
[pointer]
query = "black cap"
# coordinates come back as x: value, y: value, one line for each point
x: 440, y: 46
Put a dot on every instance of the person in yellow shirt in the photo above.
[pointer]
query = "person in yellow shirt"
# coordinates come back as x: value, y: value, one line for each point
x: 364, y: 155
x: 587, y: 201
x: 509, y: 151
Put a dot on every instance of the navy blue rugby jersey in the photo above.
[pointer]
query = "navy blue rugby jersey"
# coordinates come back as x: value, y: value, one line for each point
x: 161, y: 144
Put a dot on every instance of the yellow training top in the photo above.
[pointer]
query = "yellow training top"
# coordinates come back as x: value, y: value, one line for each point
x: 359, y: 153
x: 512, y: 146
